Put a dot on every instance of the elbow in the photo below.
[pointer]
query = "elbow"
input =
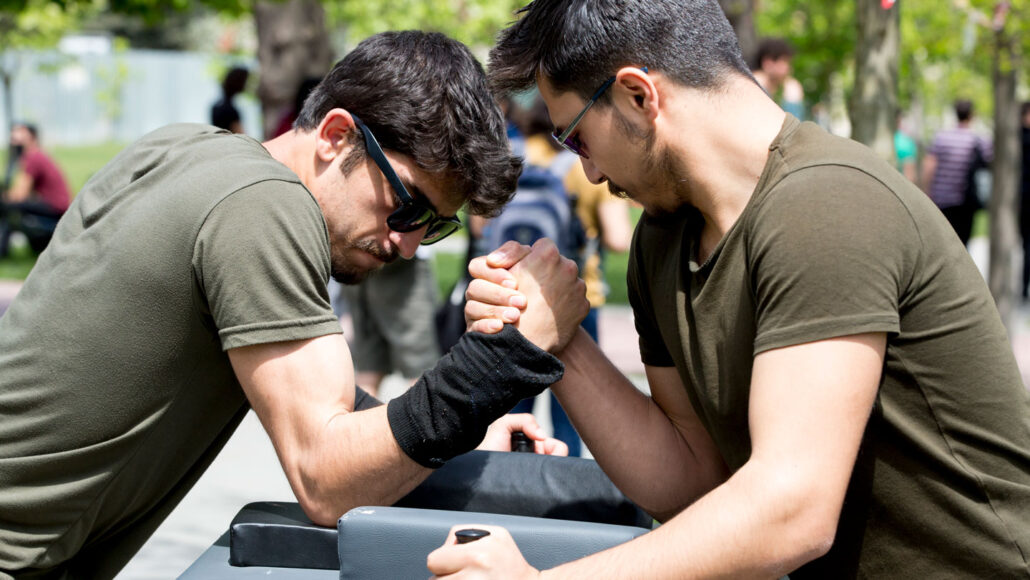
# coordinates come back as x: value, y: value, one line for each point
x: 322, y: 513
x: 321, y: 506
x: 808, y: 526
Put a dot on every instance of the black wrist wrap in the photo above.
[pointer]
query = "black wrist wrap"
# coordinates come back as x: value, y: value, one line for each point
x: 447, y: 411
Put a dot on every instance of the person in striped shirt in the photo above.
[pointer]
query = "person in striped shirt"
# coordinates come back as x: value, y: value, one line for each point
x: 948, y: 170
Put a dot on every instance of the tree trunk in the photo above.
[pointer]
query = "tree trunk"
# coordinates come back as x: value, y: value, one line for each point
x: 293, y: 44
x: 741, y: 14
x: 1005, y: 168
x: 7, y: 68
x: 874, y: 101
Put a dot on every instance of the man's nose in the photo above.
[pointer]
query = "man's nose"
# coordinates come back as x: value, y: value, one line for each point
x: 593, y: 173
x: 407, y: 243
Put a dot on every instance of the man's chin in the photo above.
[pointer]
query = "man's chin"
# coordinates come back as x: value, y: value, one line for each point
x: 351, y: 276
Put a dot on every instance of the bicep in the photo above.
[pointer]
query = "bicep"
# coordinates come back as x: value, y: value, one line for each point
x: 809, y: 406
x: 296, y: 387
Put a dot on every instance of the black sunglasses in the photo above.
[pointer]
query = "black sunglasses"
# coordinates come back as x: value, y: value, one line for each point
x: 413, y: 213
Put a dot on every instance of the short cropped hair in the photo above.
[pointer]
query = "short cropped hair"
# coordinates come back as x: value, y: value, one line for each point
x: 964, y: 109
x: 772, y: 49
x: 425, y: 96
x: 235, y: 81
x: 577, y: 44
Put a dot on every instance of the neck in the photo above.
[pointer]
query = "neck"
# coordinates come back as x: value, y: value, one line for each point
x: 722, y: 141
x: 295, y: 150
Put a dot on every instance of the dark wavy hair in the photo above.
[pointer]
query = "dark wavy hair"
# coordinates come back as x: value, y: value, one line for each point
x: 424, y: 95
x: 577, y: 44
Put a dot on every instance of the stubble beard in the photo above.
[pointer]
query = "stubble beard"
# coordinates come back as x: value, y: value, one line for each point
x: 346, y: 272
x: 665, y: 171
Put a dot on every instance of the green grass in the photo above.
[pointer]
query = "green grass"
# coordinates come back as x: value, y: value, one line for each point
x: 448, y: 268
x: 80, y: 163
x: 18, y: 263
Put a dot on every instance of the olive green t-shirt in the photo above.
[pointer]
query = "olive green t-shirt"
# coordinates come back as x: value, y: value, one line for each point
x: 835, y: 242
x: 116, y: 388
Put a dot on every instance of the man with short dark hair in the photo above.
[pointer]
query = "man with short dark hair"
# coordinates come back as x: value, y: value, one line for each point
x: 832, y: 391
x: 772, y: 69
x: 187, y: 284
x: 39, y: 195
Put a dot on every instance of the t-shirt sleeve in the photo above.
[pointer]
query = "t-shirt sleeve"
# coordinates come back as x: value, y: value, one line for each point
x: 653, y: 351
x: 818, y: 270
x: 33, y: 165
x: 261, y: 260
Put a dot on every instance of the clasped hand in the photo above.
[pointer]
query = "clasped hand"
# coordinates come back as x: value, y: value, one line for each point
x: 535, y: 289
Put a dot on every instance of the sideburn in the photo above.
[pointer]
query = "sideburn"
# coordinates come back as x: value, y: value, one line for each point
x: 356, y: 155
x: 657, y: 161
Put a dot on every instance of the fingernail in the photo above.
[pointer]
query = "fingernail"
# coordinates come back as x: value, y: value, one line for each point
x: 518, y: 301
x: 496, y: 325
x: 510, y: 314
x: 495, y: 256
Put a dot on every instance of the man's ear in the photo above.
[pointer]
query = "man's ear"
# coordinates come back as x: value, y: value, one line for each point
x: 634, y: 90
x: 331, y: 136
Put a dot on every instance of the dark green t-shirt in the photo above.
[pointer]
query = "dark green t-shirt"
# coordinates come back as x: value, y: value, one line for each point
x: 835, y: 242
x: 116, y: 388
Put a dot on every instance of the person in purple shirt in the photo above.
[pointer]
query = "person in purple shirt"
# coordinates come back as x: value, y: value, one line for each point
x: 39, y: 195
x: 948, y: 170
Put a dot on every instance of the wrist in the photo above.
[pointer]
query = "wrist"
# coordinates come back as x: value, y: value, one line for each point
x: 449, y: 409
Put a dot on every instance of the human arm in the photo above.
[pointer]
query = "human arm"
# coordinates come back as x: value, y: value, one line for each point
x: 929, y: 169
x: 21, y: 188
x: 631, y: 435
x: 335, y: 458
x: 616, y: 229
x: 809, y: 406
x: 908, y: 169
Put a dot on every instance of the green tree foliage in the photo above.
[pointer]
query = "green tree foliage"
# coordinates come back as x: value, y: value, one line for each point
x: 474, y: 22
x: 823, y: 33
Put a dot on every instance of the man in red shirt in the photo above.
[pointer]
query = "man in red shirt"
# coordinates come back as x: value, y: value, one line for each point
x: 39, y: 195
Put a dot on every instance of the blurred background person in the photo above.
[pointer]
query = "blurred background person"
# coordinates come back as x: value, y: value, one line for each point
x: 286, y: 121
x: 771, y: 67
x: 905, y: 151
x: 949, y: 168
x: 38, y: 196
x: 224, y: 113
x: 393, y: 316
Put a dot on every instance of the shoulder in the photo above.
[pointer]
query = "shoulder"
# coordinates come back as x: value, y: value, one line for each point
x: 35, y: 160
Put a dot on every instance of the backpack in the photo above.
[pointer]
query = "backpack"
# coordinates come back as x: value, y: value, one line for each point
x: 540, y: 208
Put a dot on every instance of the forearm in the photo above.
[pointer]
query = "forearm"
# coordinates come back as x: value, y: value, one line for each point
x: 751, y: 527
x: 356, y: 462
x: 630, y: 436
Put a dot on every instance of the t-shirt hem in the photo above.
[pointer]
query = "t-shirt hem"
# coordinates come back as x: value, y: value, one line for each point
x: 267, y: 332
x: 811, y: 332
